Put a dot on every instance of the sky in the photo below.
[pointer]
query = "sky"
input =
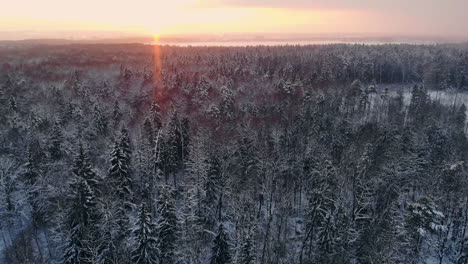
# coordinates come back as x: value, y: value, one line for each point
x: 44, y: 18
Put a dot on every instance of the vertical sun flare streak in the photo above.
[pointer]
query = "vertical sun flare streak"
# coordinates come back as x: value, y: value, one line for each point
x: 157, y: 90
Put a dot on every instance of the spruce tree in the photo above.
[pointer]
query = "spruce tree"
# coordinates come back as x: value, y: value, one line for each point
x: 31, y: 173
x: 82, y: 224
x: 12, y: 105
x: 82, y: 168
x: 119, y: 174
x: 31, y: 177
x: 145, y: 251
x: 211, y: 187
x: 148, y: 132
x: 247, y: 252
x: 125, y: 146
x: 221, y: 253
x: 460, y: 118
x: 166, y: 226
x: 155, y: 113
x: 116, y: 115
x: 56, y: 140
x: 100, y: 121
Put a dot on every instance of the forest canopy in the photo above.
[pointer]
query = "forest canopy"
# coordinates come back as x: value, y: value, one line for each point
x: 264, y: 154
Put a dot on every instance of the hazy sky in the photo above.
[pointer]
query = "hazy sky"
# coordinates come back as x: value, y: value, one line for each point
x: 421, y: 17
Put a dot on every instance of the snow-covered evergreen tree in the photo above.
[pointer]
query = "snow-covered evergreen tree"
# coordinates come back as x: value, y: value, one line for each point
x: 166, y: 228
x: 145, y: 251
x: 56, y: 141
x: 221, y: 253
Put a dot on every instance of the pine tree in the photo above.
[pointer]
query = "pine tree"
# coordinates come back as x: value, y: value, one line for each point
x: 145, y: 251
x: 166, y: 227
x: 221, y: 253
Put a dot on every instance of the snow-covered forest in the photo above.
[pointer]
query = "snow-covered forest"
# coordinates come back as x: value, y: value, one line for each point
x: 288, y: 154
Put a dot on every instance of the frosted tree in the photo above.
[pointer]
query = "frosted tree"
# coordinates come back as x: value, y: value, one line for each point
x: 166, y: 226
x: 247, y: 254
x: 100, y: 121
x: 56, y: 141
x: 82, y: 168
x: 148, y: 132
x: 145, y: 251
x: 221, y: 253
x: 116, y: 115
x: 422, y: 219
x: 460, y: 118
x: 155, y: 115
x: 12, y: 104
x: 125, y: 146
x: 119, y: 174
x: 81, y: 224
x: 212, y: 188
x: 419, y: 99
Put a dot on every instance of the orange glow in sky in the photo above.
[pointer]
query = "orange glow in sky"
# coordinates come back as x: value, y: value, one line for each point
x: 227, y: 16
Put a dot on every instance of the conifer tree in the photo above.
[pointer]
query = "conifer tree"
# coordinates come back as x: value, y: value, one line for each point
x: 110, y: 253
x: 31, y: 177
x: 119, y: 174
x: 148, y: 132
x: 116, y: 115
x: 221, y: 253
x: 31, y: 173
x: 145, y: 251
x: 166, y: 227
x: 12, y: 105
x: 211, y: 187
x: 56, y: 140
x: 82, y: 224
x: 247, y: 252
x: 460, y: 118
x: 100, y: 121
x: 82, y: 168
x: 125, y: 146
x: 155, y: 113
